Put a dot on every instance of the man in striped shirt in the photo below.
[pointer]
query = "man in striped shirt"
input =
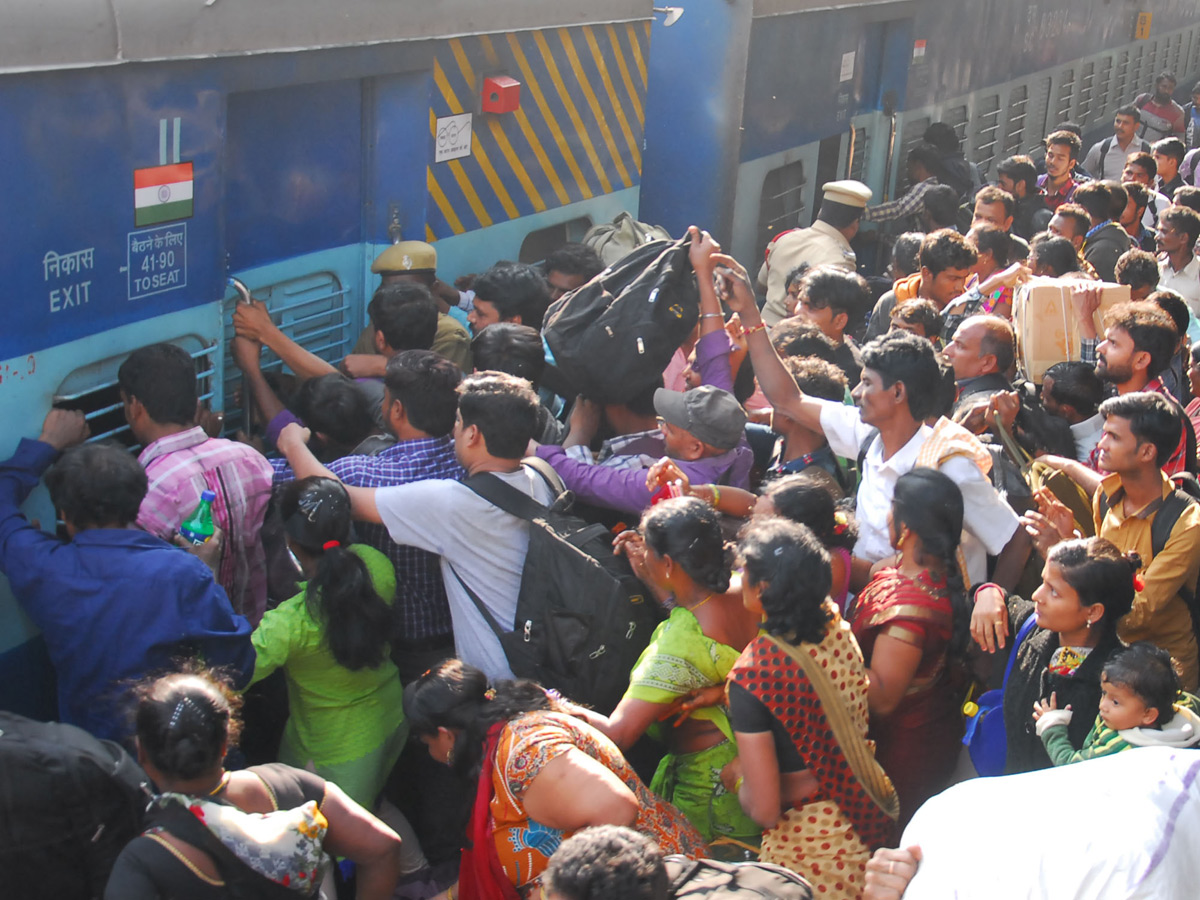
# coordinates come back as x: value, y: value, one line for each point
x: 158, y: 390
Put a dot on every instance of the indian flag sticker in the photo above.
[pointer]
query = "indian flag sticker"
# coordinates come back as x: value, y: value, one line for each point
x: 162, y: 194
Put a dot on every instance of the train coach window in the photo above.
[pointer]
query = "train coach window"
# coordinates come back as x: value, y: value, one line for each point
x: 1087, y: 93
x: 541, y: 243
x: 1014, y: 128
x: 313, y: 310
x: 858, y: 161
x: 987, y: 129
x: 1103, y: 87
x: 1066, y: 95
x: 93, y: 389
x: 781, y: 202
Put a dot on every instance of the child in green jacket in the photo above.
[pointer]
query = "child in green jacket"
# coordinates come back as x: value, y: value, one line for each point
x: 1140, y: 706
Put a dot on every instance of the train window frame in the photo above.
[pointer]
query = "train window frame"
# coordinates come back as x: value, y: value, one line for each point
x: 777, y: 189
x: 541, y: 242
x: 93, y: 389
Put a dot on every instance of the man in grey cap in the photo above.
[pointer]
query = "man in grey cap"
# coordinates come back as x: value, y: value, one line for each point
x: 703, y: 429
x: 826, y: 243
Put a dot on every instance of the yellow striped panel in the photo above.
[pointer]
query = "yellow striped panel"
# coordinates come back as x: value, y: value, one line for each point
x: 430, y: 237
x: 540, y: 100
x: 635, y: 97
x: 556, y: 77
x: 526, y: 127
x: 497, y: 130
x: 614, y: 99
x: 594, y: 104
x: 443, y: 204
x: 638, y: 59
x: 477, y: 150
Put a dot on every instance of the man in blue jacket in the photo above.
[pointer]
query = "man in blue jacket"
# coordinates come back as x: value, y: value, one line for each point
x: 114, y: 603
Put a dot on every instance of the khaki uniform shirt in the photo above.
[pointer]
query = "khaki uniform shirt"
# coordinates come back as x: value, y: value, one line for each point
x: 1159, y: 614
x: 820, y: 245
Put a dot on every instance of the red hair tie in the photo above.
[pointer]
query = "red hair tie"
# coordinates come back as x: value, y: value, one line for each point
x: 329, y: 545
x: 1139, y: 583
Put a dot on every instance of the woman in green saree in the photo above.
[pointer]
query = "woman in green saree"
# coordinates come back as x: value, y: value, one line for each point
x: 680, y: 554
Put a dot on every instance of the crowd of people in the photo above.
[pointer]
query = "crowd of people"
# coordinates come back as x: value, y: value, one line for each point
x: 850, y: 502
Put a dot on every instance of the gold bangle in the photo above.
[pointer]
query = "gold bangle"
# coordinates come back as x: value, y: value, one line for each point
x: 716, y: 496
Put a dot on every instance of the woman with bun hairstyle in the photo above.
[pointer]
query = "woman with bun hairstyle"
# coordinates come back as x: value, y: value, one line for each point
x: 345, y: 698
x: 198, y: 843
x: 798, y: 702
x: 805, y: 499
x: 1087, y: 586
x: 680, y: 553
x: 541, y: 774
x: 912, y: 622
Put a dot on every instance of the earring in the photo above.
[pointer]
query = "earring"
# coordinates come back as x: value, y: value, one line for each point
x: 450, y: 756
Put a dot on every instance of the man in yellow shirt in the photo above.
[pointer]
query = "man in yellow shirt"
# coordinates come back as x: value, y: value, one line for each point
x: 1141, y: 431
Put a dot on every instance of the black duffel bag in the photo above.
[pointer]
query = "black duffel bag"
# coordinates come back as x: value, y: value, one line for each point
x: 613, y: 337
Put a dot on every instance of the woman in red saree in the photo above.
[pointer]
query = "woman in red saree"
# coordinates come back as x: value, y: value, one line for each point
x: 797, y: 699
x: 912, y: 622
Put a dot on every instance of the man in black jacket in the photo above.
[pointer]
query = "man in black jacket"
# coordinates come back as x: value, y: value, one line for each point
x: 1104, y: 201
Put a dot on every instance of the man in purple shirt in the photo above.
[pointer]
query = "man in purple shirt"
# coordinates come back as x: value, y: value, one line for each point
x: 703, y: 430
x: 420, y: 402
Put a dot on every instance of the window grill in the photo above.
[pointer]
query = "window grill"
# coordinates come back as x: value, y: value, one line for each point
x: 93, y: 389
x: 313, y: 310
x: 781, y: 202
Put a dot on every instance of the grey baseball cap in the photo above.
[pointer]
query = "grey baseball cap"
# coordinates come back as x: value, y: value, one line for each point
x: 708, y: 413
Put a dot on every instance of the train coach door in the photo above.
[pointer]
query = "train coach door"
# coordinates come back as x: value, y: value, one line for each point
x: 294, y: 199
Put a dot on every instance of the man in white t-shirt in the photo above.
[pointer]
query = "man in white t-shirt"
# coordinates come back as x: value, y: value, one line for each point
x: 898, y: 391
x: 477, y: 542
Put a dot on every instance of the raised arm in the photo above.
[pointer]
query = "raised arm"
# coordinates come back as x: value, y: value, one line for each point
x: 293, y: 443
x: 247, y: 355
x: 777, y: 384
x: 253, y: 321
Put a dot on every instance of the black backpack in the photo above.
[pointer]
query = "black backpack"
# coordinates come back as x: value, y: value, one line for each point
x: 582, y: 616
x: 612, y: 337
x: 69, y: 803
x: 716, y: 880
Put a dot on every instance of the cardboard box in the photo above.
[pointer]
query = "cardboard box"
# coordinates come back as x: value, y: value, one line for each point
x: 1045, y: 323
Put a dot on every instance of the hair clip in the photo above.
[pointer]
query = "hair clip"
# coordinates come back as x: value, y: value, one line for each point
x: 779, y: 551
x: 177, y: 714
x: 329, y: 545
x: 1139, y: 583
x: 489, y: 694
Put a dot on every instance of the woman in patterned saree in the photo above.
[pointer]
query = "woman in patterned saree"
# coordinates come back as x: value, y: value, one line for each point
x: 912, y: 622
x: 541, y: 775
x: 680, y: 554
x: 798, y: 703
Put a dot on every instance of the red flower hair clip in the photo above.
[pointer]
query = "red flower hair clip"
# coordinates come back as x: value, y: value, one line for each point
x: 1139, y: 583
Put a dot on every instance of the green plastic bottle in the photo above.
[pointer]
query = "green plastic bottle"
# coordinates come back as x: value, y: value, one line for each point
x: 198, y: 527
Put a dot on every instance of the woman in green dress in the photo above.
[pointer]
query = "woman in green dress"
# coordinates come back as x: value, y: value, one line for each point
x: 346, y: 719
x: 680, y: 554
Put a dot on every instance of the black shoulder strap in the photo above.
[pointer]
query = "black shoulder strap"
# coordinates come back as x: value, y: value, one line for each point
x: 498, y: 493
x: 1105, y: 146
x: 863, y: 448
x: 1168, y: 514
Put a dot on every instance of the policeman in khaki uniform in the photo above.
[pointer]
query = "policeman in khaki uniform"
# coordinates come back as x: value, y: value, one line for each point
x: 417, y: 261
x: 826, y: 243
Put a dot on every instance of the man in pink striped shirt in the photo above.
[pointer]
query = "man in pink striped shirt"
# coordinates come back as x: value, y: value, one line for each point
x: 158, y: 389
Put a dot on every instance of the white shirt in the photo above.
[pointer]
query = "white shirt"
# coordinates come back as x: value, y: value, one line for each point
x: 1111, y: 165
x: 479, y: 541
x: 1185, y: 282
x: 988, y: 522
x: 1087, y: 436
x: 1121, y: 827
x: 1159, y: 204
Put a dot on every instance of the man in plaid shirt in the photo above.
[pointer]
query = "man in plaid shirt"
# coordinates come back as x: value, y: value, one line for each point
x: 420, y: 401
x: 158, y: 390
